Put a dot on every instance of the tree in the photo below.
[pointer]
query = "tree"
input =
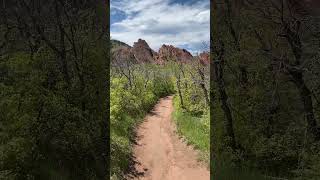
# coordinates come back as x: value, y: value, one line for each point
x: 54, y: 89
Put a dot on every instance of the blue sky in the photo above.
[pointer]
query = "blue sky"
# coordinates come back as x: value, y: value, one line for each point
x: 182, y: 23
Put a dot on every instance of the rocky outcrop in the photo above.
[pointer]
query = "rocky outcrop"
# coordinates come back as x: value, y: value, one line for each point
x: 122, y: 55
x: 142, y: 52
x: 171, y: 53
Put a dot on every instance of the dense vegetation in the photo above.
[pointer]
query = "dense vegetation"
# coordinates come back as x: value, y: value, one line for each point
x: 53, y: 90
x: 191, y: 106
x: 129, y: 103
x: 265, y: 90
x: 136, y: 88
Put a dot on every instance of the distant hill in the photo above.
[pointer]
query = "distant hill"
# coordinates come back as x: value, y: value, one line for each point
x: 116, y: 43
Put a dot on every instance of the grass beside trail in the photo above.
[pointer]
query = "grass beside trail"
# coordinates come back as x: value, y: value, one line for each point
x: 194, y: 129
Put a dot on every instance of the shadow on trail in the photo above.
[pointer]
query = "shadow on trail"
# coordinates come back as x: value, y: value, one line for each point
x: 132, y: 171
x: 154, y: 113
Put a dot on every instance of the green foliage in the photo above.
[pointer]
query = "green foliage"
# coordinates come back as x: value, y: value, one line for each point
x: 191, y: 112
x: 267, y: 108
x: 227, y: 171
x: 131, y: 101
x: 46, y: 131
x: 128, y: 106
x: 195, y: 129
x: 53, y: 90
x: 192, y: 94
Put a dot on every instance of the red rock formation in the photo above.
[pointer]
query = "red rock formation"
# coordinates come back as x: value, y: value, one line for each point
x: 142, y: 52
x: 122, y: 54
x: 171, y: 53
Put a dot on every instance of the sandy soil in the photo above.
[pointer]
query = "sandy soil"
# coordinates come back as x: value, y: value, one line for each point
x: 159, y: 152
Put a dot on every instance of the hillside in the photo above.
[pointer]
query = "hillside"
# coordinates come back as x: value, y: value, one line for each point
x: 116, y: 43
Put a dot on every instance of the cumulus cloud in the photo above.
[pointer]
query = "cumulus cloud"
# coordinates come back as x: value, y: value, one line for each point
x: 183, y: 24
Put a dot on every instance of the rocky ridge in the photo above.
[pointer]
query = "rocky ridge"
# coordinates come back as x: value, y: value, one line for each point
x: 142, y: 53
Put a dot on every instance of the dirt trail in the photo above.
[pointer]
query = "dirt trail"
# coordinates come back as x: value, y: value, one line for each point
x: 160, y: 154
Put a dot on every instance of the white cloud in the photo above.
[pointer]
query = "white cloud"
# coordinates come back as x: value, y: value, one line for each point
x: 159, y: 22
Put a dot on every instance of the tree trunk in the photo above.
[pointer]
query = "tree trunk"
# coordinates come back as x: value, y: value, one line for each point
x: 218, y: 70
x: 306, y: 97
x: 203, y: 87
x: 225, y: 105
x: 179, y: 91
x: 217, y: 47
x: 297, y: 75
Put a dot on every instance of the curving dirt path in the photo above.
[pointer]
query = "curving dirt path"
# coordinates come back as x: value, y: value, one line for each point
x: 159, y: 152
